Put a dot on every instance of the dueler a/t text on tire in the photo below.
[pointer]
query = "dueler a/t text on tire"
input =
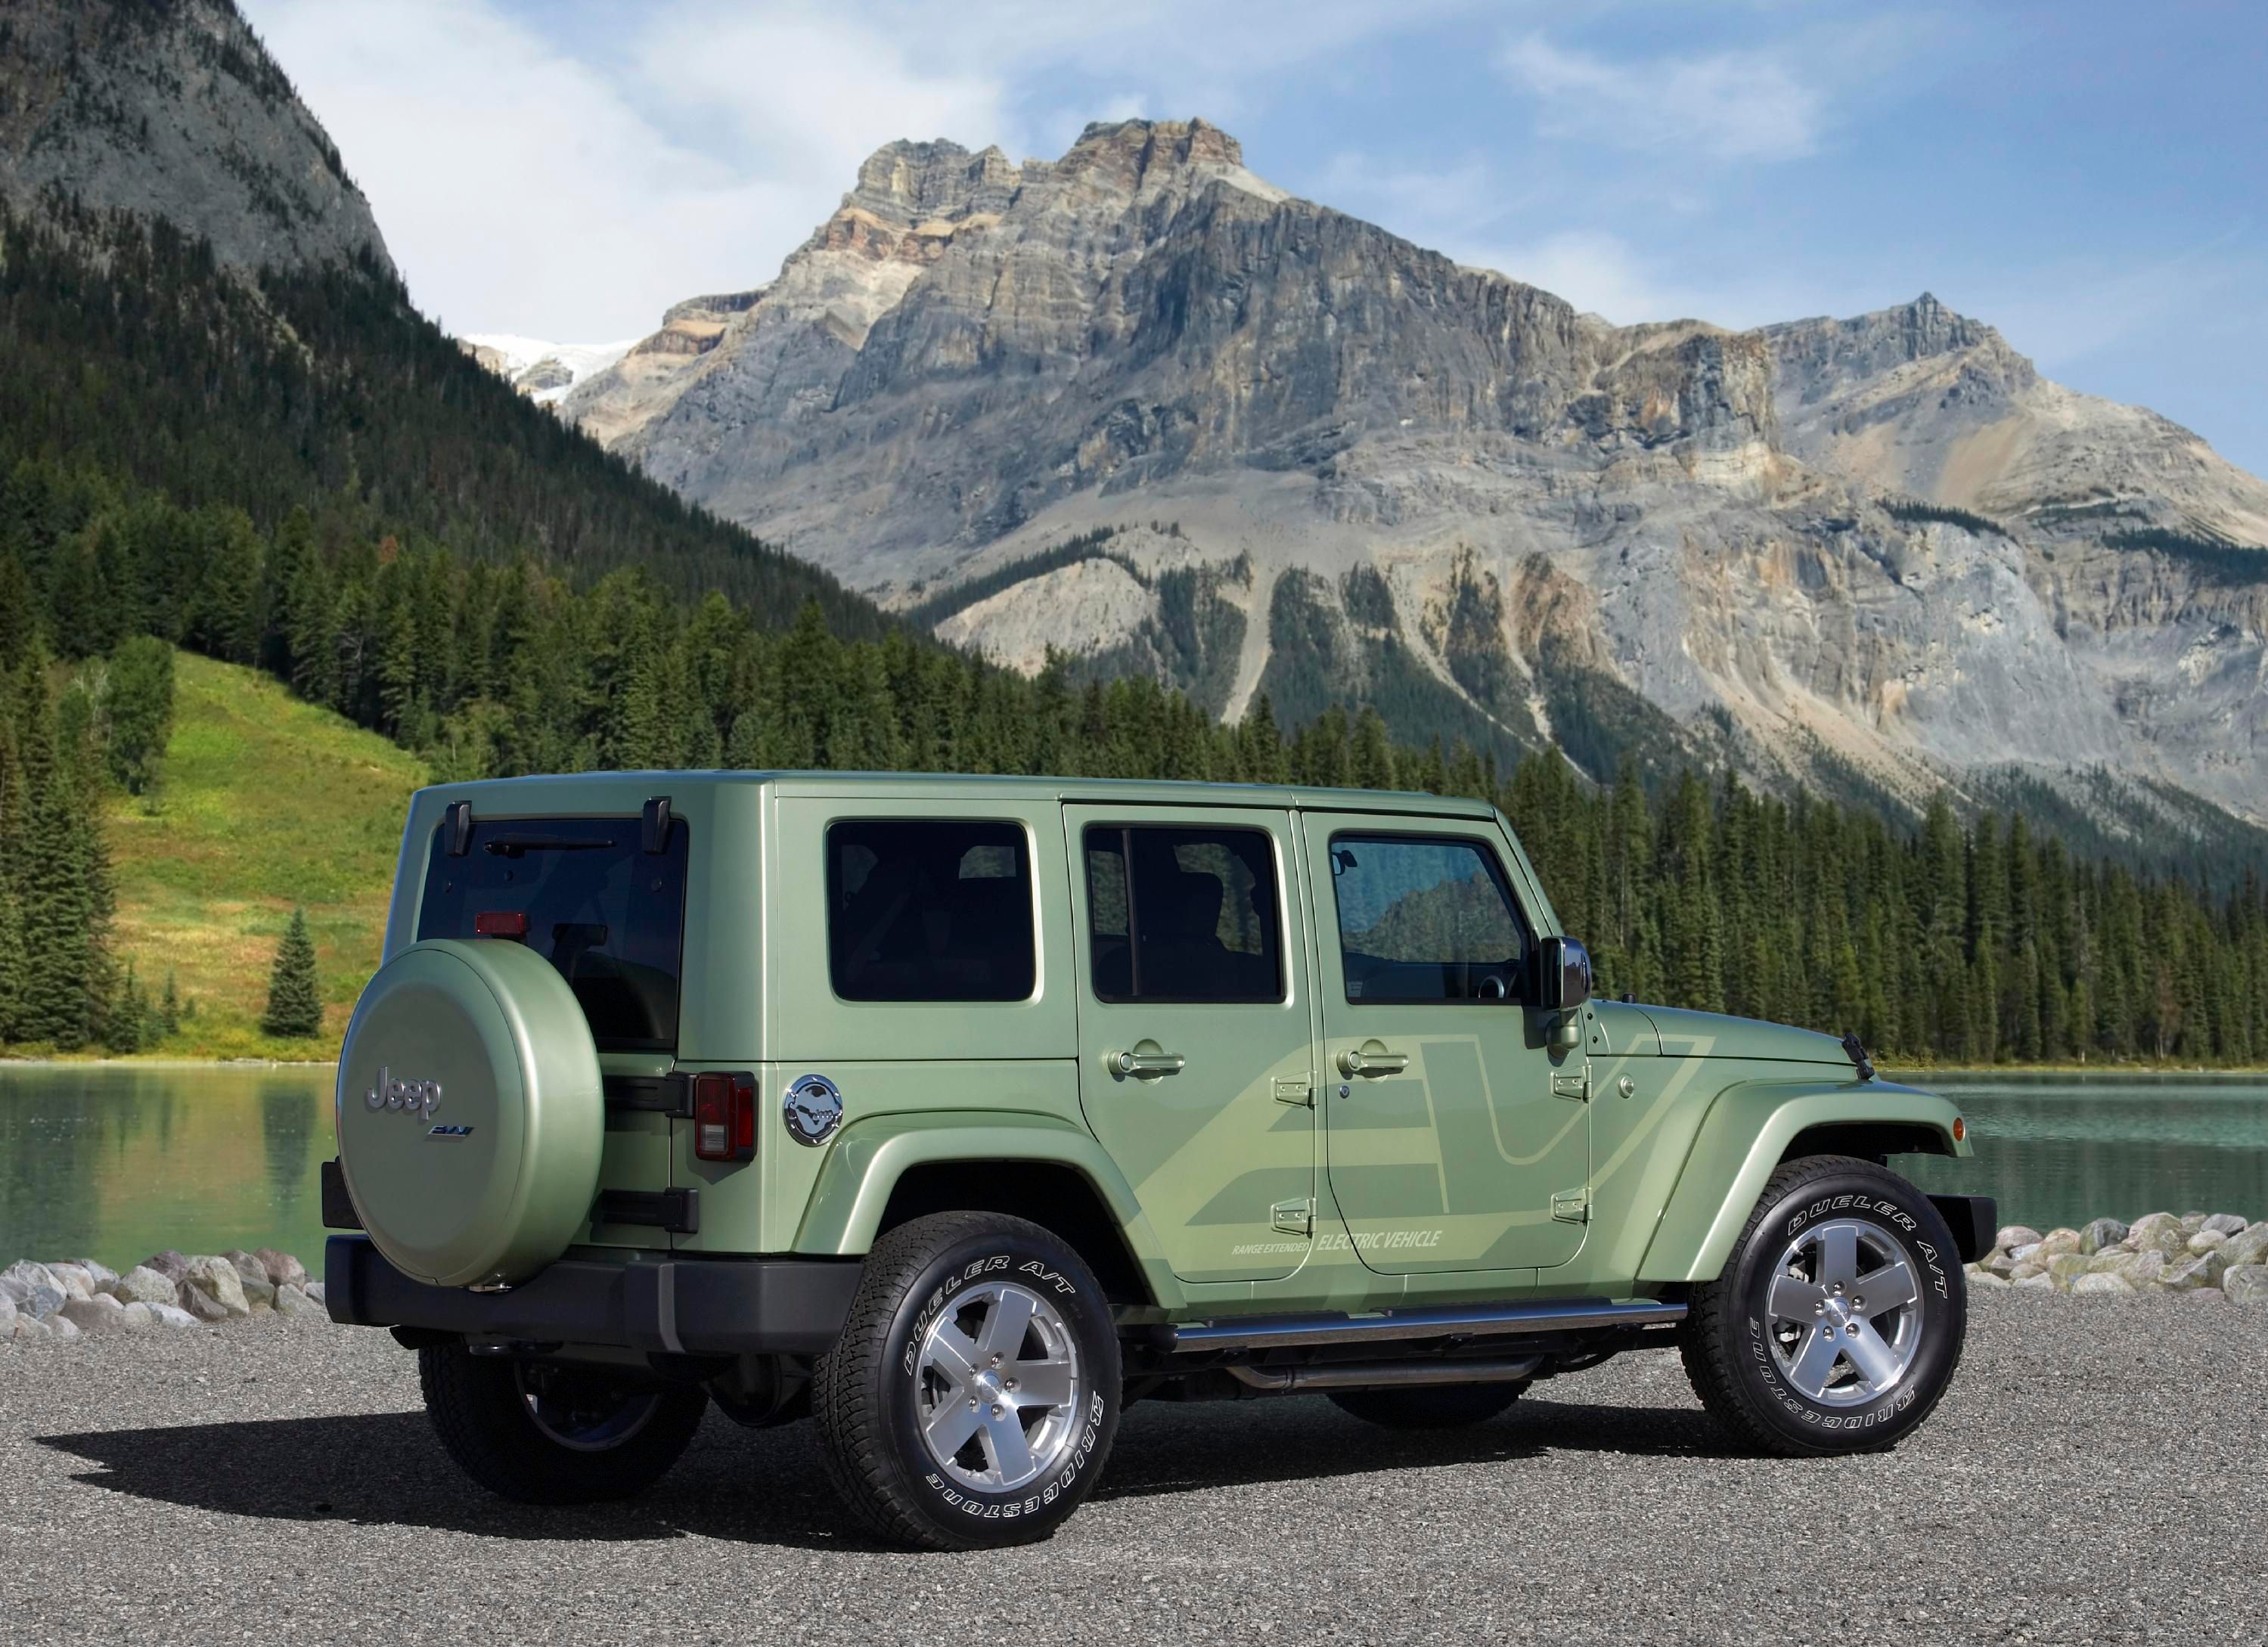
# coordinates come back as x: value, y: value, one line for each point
x: 1838, y: 1319
x: 971, y: 1399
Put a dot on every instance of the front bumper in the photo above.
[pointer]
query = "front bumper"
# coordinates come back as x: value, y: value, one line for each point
x: 685, y: 1306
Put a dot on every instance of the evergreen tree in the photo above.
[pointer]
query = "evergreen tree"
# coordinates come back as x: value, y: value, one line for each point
x: 295, y: 1001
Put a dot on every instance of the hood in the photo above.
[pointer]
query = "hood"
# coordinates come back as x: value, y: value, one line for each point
x: 1717, y: 1035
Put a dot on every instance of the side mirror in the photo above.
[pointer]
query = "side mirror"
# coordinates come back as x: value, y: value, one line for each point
x: 1563, y: 975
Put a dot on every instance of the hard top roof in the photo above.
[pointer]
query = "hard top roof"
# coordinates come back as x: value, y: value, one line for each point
x: 942, y: 786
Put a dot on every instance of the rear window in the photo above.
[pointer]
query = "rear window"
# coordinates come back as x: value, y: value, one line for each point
x: 608, y: 915
x: 930, y: 909
x: 1183, y: 914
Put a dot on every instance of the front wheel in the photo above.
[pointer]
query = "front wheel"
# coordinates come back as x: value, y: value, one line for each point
x: 972, y: 1397
x: 553, y: 1435
x: 1838, y: 1320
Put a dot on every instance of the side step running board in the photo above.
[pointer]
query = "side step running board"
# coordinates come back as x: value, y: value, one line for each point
x: 1466, y: 1320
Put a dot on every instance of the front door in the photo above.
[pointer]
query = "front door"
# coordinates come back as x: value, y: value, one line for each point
x: 1197, y: 1048
x: 1455, y: 1141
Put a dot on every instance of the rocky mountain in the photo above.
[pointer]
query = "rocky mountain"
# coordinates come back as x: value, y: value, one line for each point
x: 543, y: 371
x: 172, y: 109
x: 1139, y: 405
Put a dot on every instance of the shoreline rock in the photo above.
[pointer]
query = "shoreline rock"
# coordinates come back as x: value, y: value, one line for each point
x: 62, y: 1300
x: 2211, y: 1258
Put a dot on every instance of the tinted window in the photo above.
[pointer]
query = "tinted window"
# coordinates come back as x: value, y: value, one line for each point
x: 929, y: 910
x: 1183, y: 914
x: 1424, y: 921
x: 609, y: 916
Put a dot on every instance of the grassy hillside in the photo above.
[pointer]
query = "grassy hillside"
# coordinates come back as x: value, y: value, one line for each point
x: 266, y: 803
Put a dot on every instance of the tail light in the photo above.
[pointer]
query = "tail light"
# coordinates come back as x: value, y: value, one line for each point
x: 725, y: 1117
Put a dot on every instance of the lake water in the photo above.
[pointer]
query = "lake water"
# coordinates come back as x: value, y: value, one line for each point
x: 112, y: 1162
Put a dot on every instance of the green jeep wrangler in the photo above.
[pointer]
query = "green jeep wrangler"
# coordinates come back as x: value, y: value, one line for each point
x: 957, y: 1113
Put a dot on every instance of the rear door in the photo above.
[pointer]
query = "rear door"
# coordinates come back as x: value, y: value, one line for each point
x: 1454, y: 1140
x: 1197, y: 1041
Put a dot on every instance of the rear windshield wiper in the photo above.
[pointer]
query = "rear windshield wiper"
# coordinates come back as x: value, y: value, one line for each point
x: 517, y: 845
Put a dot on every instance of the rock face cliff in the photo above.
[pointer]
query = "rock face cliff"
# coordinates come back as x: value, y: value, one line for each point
x: 1137, y: 405
x: 172, y: 109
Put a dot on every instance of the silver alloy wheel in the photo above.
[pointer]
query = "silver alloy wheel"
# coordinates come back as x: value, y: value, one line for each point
x: 1845, y: 1312
x: 578, y: 1413
x: 998, y: 1391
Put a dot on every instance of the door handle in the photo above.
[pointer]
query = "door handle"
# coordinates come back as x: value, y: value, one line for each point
x: 1141, y: 1064
x: 1362, y: 1061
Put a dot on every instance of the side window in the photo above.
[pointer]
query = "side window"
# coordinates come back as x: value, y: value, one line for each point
x: 1423, y: 920
x: 929, y: 909
x: 1183, y: 914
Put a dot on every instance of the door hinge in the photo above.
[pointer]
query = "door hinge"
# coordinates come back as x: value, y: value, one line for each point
x: 1571, y: 1206
x: 1576, y: 1086
x: 1295, y: 1089
x: 1294, y: 1218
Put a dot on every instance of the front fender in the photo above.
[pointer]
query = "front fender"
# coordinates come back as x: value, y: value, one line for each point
x: 868, y: 1157
x: 1742, y: 1141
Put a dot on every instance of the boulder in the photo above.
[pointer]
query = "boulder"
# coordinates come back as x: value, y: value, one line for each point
x: 284, y: 1270
x: 2199, y: 1272
x: 2100, y: 1233
x: 2027, y: 1271
x: 169, y: 1315
x: 142, y: 1285
x: 2248, y: 1247
x: 2056, y: 1243
x: 211, y: 1284
x: 252, y: 1275
x: 2207, y: 1295
x: 94, y: 1314
x: 2028, y: 1252
x: 2140, y: 1270
x: 2248, y: 1284
x: 2016, y: 1235
x: 61, y: 1329
x: 2192, y: 1222
x: 2102, y: 1283
x: 315, y: 1293
x: 7, y: 1318
x: 2040, y: 1282
x: 294, y: 1302
x: 103, y: 1273
x: 2223, y: 1223
x: 38, y: 1294
x: 2065, y: 1266
x: 135, y: 1318
x: 1997, y: 1262
x: 2206, y: 1240
x: 168, y: 1263
x: 75, y: 1281
x: 29, y: 1331
x: 2159, y: 1230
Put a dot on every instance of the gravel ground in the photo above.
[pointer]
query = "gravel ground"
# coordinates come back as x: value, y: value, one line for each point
x: 2099, y: 1473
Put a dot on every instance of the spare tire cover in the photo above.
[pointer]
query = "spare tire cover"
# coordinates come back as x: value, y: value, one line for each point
x: 470, y: 1117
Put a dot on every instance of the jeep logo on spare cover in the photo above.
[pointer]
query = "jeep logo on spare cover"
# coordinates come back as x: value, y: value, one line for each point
x: 393, y: 1093
x: 1191, y: 1092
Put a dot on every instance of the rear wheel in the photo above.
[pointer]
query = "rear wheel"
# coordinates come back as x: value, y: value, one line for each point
x: 1442, y: 1406
x: 1840, y: 1317
x: 553, y: 1435
x: 971, y: 1399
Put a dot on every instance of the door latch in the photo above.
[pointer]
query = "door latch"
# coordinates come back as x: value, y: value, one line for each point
x: 1294, y: 1218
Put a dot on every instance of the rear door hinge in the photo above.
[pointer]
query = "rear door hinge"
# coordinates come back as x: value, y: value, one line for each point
x: 1571, y: 1206
x: 1295, y: 1089
x: 1294, y: 1218
x: 1577, y: 1085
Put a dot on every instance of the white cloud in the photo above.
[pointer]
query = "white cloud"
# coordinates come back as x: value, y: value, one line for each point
x: 1732, y: 105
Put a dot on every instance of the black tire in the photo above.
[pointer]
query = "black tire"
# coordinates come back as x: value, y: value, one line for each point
x: 1438, y: 1406
x: 601, y: 1438
x: 872, y: 1392
x: 1748, y: 1363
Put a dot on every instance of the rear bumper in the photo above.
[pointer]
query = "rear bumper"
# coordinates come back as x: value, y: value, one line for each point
x: 696, y: 1306
x: 1974, y: 1221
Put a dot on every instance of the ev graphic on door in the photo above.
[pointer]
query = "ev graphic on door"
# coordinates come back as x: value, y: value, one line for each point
x: 1449, y: 1144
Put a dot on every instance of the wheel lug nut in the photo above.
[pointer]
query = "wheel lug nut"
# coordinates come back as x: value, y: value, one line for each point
x: 972, y: 1403
x: 1008, y: 1384
x: 996, y: 1411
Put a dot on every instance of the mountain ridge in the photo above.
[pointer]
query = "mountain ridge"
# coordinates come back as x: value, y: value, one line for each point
x: 1882, y: 544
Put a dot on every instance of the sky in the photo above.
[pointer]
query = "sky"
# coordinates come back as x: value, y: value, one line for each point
x: 2090, y: 178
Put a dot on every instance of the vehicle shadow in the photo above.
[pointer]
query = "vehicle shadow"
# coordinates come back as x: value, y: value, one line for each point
x: 767, y: 1486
